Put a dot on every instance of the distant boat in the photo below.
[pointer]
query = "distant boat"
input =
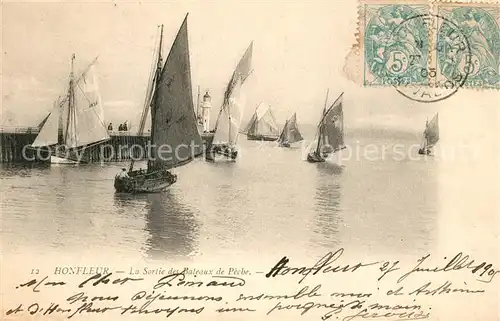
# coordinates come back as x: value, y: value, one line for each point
x: 290, y: 133
x: 262, y: 125
x: 174, y: 135
x: 228, y: 122
x: 76, y: 122
x: 430, y: 136
x: 330, y: 133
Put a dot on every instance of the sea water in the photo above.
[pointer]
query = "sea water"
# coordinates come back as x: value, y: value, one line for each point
x: 269, y: 202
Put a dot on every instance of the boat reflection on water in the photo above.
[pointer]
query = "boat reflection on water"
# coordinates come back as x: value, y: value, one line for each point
x: 171, y: 228
x: 328, y: 219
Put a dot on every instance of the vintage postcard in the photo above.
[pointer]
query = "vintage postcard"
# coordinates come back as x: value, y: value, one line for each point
x: 250, y: 160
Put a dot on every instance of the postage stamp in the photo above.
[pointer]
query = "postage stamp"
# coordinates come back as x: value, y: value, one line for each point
x: 394, y: 41
x: 426, y: 49
x: 479, y: 24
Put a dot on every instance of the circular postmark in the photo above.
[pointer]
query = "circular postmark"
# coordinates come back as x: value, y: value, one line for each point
x: 453, y: 64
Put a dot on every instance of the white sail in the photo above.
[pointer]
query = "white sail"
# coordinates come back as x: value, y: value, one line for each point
x: 266, y: 124
x: 262, y: 122
x: 90, y: 87
x: 86, y: 122
x: 48, y: 134
x: 230, y: 117
x: 69, y: 125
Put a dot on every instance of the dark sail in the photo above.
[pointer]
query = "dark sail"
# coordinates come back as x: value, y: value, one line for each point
x: 251, y: 124
x: 174, y: 134
x: 431, y: 132
x: 44, y: 121
x: 331, y: 129
x: 290, y: 133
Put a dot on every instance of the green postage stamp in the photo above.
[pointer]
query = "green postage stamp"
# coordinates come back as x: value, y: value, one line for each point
x: 480, y: 60
x: 395, y: 42
x: 435, y: 44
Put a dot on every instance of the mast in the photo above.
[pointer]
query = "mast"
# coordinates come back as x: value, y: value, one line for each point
x: 154, y: 86
x: 431, y: 132
x: 160, y: 58
x: 71, y: 99
x: 326, y: 100
x: 158, y: 76
x: 229, y: 123
x: 60, y: 127
x: 321, y: 122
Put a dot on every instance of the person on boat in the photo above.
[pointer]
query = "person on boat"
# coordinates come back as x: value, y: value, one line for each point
x: 123, y: 173
x: 170, y: 176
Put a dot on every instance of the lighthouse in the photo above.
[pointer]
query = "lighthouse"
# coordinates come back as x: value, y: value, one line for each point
x: 206, y: 105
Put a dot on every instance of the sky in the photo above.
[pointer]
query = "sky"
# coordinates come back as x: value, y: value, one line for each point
x: 299, y: 51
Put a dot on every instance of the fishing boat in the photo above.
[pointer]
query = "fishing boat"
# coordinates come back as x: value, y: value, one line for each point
x: 76, y: 122
x: 330, y: 132
x: 290, y: 133
x: 174, y: 134
x: 430, y: 136
x: 262, y: 126
x: 228, y: 122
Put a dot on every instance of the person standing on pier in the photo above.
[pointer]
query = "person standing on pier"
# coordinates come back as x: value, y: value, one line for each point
x: 110, y: 126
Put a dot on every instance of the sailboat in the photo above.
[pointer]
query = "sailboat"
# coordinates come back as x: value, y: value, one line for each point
x: 290, y: 133
x: 430, y: 136
x: 174, y: 134
x: 330, y: 133
x: 76, y: 122
x: 262, y: 125
x: 228, y: 122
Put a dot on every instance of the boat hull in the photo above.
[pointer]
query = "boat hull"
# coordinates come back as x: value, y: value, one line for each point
x: 221, y: 150
x: 55, y: 155
x: 315, y: 158
x: 262, y: 138
x: 422, y: 151
x: 284, y: 144
x: 140, y: 182
x: 61, y: 160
